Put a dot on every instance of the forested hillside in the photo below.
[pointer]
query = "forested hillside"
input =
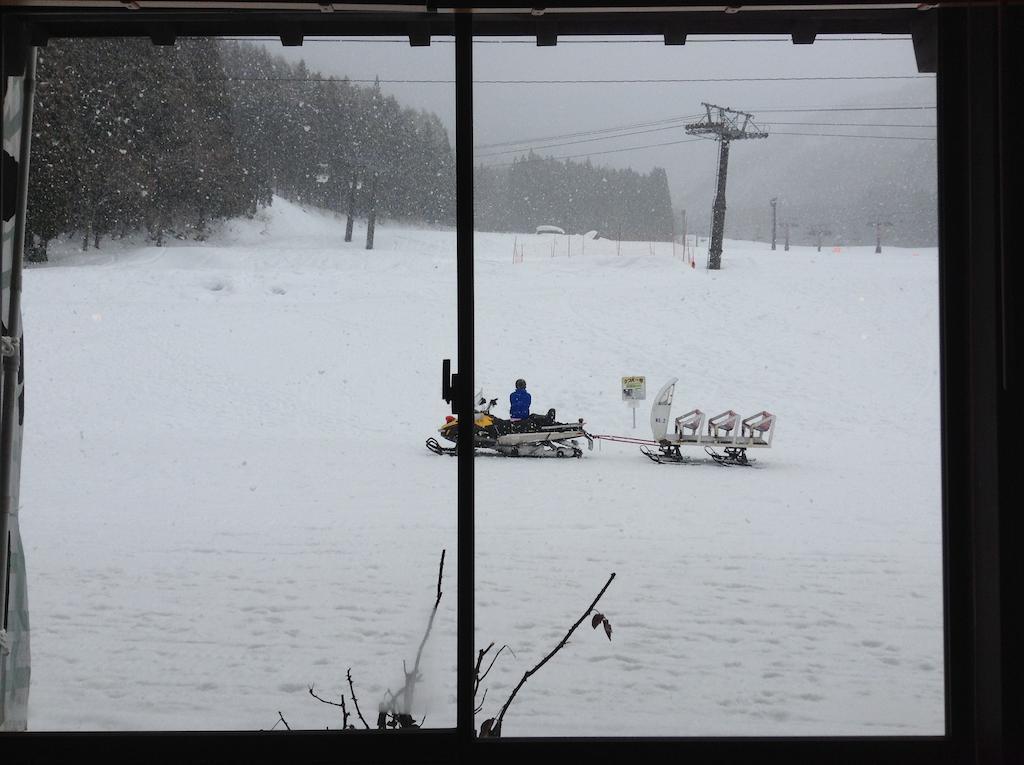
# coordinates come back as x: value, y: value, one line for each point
x: 576, y: 196
x: 129, y: 136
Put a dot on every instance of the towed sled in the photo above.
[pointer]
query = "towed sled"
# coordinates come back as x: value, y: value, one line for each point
x: 726, y: 431
x: 539, y: 435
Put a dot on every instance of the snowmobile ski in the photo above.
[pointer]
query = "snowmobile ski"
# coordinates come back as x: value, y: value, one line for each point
x: 436, y: 448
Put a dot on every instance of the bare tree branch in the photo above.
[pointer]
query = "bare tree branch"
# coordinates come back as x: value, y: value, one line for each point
x: 476, y: 671
x: 411, y: 678
x: 400, y: 716
x: 480, y: 708
x: 497, y: 724
x: 440, y: 571
x: 282, y: 720
x: 344, y: 715
x: 325, y: 701
x: 352, y: 691
x: 395, y: 697
x: 489, y: 666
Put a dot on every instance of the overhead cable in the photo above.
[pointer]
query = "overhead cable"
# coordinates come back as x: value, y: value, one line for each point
x: 624, y: 81
x: 658, y: 40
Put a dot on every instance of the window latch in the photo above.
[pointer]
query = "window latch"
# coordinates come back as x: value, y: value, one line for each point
x: 11, y: 346
x: 449, y: 384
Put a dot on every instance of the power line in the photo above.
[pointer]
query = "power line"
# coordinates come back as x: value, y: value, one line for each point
x: 581, y: 140
x: 674, y: 80
x: 607, y: 151
x: 596, y: 131
x: 530, y: 40
x: 637, y: 81
x: 690, y: 140
x: 613, y: 133
x: 845, y: 109
x: 858, y: 135
x: 852, y: 124
x: 598, y: 134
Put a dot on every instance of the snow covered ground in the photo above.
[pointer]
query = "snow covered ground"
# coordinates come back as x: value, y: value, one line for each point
x: 226, y: 497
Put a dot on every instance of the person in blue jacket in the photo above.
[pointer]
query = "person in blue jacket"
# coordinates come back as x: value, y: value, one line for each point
x: 519, y: 402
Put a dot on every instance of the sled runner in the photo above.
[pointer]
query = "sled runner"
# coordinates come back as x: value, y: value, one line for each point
x: 539, y: 435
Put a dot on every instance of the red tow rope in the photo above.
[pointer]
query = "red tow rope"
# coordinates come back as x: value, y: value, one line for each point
x: 627, y: 439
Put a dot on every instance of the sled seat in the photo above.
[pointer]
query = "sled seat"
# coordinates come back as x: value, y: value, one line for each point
x: 692, y: 421
x: 723, y: 423
x: 759, y: 427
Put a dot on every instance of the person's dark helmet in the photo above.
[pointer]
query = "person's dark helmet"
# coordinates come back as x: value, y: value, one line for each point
x: 520, y: 384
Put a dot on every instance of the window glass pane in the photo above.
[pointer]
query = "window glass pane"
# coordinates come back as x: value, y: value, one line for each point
x: 799, y: 594
x: 226, y: 500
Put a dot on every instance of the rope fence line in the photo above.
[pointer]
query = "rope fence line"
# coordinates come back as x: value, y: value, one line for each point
x: 534, y: 247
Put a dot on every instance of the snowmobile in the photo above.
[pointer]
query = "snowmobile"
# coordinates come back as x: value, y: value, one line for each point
x: 539, y: 435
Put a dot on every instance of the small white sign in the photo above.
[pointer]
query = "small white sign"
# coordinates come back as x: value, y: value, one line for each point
x: 634, y: 389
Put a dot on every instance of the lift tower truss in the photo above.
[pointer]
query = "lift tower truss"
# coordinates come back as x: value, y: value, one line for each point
x: 727, y: 125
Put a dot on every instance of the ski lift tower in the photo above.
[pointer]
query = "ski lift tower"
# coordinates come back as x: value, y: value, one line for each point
x: 728, y: 125
x: 786, y: 226
x: 819, y: 231
x: 878, y: 224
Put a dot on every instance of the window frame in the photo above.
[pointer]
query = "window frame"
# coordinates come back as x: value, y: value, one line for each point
x: 977, y: 195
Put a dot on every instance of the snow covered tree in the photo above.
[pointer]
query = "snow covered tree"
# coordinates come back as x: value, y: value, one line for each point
x: 206, y: 130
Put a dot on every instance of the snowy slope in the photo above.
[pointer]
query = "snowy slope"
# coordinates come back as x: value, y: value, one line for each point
x: 227, y: 498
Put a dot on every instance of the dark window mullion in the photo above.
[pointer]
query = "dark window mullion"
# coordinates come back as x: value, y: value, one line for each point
x: 464, y: 393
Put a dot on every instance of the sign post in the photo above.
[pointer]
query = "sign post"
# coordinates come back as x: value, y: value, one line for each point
x: 634, y: 390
